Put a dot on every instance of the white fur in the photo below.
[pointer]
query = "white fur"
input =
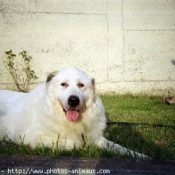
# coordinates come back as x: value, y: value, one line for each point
x: 38, y: 117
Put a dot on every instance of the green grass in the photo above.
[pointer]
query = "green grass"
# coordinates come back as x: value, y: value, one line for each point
x: 157, y: 142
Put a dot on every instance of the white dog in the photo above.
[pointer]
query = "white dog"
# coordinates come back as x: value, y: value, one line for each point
x: 62, y: 110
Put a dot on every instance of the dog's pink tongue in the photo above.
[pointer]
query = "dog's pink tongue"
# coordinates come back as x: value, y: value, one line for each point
x: 72, y: 115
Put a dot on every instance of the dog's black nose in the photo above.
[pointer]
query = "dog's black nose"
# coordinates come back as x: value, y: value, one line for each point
x: 73, y: 101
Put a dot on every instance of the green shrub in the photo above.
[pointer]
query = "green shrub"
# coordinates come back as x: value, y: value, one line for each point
x: 23, y: 76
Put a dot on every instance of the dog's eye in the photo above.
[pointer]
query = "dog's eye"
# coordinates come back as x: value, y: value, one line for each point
x: 64, y: 84
x: 80, y: 85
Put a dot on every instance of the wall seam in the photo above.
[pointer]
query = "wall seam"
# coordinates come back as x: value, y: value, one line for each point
x: 123, y: 51
x: 107, y: 42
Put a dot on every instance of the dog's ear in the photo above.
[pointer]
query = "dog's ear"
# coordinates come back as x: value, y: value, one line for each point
x: 50, y: 76
x: 93, y: 89
x: 93, y: 83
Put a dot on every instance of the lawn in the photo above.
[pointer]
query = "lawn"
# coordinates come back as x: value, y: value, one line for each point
x: 131, y: 113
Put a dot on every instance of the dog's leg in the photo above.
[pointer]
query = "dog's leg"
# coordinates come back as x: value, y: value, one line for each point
x: 111, y: 146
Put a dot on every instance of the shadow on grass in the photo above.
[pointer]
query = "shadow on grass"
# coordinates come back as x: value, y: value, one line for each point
x: 157, y: 143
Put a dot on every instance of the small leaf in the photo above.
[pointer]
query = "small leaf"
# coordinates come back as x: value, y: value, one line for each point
x: 13, y: 55
x: 8, y: 52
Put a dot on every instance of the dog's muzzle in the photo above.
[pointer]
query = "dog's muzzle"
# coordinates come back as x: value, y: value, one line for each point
x: 72, y: 113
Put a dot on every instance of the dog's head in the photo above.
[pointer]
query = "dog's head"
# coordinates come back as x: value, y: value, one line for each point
x: 73, y: 89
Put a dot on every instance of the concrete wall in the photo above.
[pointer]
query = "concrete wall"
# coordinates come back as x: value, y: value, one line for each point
x: 126, y: 45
